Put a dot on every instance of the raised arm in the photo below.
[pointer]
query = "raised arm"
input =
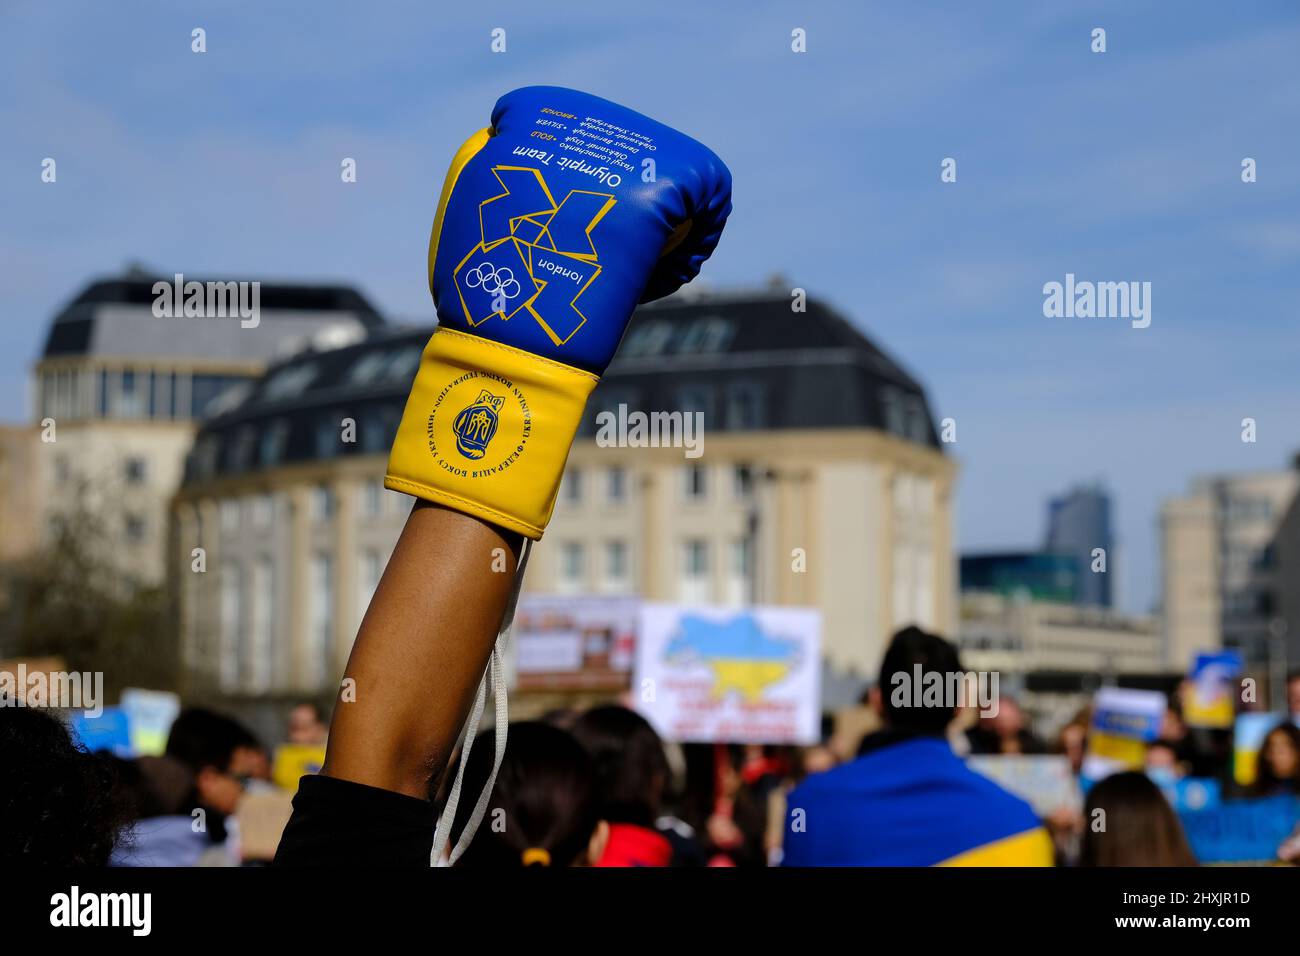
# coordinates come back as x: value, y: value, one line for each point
x: 552, y: 225
x: 421, y: 650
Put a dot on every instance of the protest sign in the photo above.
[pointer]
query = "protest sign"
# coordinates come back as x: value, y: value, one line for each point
x: 151, y: 713
x: 293, y: 761
x: 110, y: 730
x: 712, y: 675
x: 1124, y: 722
x: 262, y: 816
x: 1044, y: 781
x: 1189, y: 793
x: 1241, y: 830
x: 1210, y: 696
x: 574, y: 643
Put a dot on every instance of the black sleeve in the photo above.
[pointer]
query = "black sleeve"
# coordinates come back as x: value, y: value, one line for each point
x: 341, y: 823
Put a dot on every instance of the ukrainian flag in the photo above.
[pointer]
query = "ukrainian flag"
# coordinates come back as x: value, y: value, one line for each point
x: 910, y: 802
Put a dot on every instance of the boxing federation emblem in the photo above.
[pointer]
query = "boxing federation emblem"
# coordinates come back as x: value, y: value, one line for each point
x: 534, y: 254
x: 476, y: 424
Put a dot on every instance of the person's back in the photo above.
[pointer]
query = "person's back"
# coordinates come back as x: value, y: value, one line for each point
x: 908, y: 800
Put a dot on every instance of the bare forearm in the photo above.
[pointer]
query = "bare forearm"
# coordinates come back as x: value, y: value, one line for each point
x: 421, y: 650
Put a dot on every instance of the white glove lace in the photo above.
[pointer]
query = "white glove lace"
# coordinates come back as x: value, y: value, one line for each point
x: 493, y: 674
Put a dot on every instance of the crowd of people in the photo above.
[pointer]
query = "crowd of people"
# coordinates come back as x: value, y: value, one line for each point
x: 599, y: 787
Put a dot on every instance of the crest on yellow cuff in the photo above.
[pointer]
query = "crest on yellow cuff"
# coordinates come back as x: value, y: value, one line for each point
x: 487, y: 430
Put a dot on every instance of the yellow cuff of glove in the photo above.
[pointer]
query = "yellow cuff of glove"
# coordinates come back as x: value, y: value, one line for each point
x: 487, y: 430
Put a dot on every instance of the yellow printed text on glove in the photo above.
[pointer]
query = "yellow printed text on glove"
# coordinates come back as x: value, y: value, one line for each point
x: 491, y: 443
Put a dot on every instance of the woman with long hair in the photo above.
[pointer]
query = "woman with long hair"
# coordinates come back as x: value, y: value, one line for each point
x: 1277, y: 768
x: 1128, y: 822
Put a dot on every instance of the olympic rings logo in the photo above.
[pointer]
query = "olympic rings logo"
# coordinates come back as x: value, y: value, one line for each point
x: 495, y: 282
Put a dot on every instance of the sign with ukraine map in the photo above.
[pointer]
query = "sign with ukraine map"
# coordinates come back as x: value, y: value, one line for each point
x: 730, y: 675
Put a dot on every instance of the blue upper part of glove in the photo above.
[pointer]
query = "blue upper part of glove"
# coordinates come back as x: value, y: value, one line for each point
x: 574, y: 210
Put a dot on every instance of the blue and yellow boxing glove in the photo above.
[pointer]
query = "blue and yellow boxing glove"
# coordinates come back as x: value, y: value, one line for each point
x: 553, y: 224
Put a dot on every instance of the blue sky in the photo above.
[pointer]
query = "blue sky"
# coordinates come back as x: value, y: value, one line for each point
x: 1115, y: 166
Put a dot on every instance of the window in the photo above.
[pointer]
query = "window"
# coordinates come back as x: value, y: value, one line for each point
x: 710, y: 334
x: 263, y: 511
x: 273, y: 442
x: 322, y: 503
x: 317, y: 658
x: 918, y: 422
x: 289, y: 381
x: 742, y: 481
x: 572, y: 486
x: 204, y: 457
x: 744, y: 407
x: 66, y: 396
x: 616, y: 560
x: 259, y: 668
x: 740, y: 577
x: 160, y: 397
x: 923, y: 495
x: 329, y: 435
x: 378, y: 428
x: 695, y: 482
x: 130, y: 397
x: 616, y: 484
x: 232, y: 624
x: 101, y: 393
x: 404, y: 366
x: 696, y: 398
x: 649, y: 338
x: 372, y: 568
x: 694, y: 583
x: 367, y: 368
x: 229, y: 517
x: 134, y: 527
x: 904, y: 494
x: 891, y: 400
x: 742, y: 557
x: 47, y: 394
x: 573, y: 561
x: 696, y: 558
x: 913, y: 597
x: 178, y: 383
x: 240, y: 449
x: 372, y: 498
x: 203, y: 390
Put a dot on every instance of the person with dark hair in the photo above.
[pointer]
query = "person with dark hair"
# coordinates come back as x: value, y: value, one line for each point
x: 631, y: 777
x: 544, y: 806
x: 159, y: 792
x: 223, y: 757
x: 745, y: 775
x: 1277, y: 768
x: 58, y: 803
x: 908, y: 800
x: 1006, y: 732
x: 1129, y: 823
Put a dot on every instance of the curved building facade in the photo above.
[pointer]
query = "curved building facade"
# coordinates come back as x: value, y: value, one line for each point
x: 120, y: 391
x: 817, y: 479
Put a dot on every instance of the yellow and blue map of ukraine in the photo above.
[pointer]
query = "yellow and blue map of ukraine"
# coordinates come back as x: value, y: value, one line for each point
x: 741, y: 655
